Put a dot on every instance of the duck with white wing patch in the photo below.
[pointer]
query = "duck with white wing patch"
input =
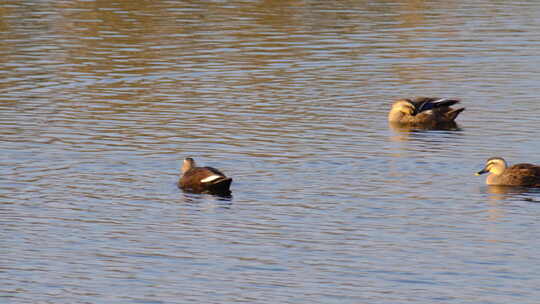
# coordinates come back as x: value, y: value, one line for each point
x: 203, y: 179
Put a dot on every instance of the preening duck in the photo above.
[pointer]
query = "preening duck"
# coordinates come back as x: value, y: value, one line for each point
x: 424, y: 111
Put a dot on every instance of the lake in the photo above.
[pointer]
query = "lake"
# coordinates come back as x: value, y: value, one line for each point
x: 101, y: 100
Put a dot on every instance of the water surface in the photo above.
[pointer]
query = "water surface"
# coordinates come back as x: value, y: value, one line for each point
x: 101, y: 100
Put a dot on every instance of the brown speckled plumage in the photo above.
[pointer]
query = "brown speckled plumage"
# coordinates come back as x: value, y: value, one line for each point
x: 527, y: 175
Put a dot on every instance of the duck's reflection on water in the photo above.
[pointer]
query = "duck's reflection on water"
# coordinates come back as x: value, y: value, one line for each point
x: 512, y: 190
x: 407, y: 128
x: 403, y: 133
x: 223, y: 199
x: 500, y: 193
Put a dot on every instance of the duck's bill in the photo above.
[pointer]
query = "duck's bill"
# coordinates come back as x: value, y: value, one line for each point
x: 481, y: 172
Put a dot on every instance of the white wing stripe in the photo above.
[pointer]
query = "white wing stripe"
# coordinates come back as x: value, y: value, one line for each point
x: 439, y: 100
x: 210, y: 178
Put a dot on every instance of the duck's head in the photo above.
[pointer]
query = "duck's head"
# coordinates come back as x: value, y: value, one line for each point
x: 188, y: 164
x: 495, y: 165
x: 403, y: 107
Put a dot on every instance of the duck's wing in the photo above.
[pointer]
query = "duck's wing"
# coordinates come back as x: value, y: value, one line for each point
x: 525, y: 166
x: 429, y: 103
x: 205, y: 180
x: 208, y: 174
x: 523, y: 174
x: 201, y: 175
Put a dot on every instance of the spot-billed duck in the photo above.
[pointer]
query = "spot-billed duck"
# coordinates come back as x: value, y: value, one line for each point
x: 203, y: 179
x: 424, y: 111
x: 517, y: 175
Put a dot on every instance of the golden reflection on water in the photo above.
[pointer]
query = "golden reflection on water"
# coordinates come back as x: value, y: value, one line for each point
x: 96, y: 37
x: 501, y: 194
x: 406, y: 132
x: 495, y: 212
x: 100, y: 99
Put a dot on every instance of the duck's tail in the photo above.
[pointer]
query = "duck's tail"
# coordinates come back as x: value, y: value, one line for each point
x: 220, y: 185
x: 453, y: 114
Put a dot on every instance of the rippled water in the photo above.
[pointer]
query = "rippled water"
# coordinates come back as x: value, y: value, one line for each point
x: 101, y: 100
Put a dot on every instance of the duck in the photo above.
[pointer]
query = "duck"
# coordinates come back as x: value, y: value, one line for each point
x: 203, y: 179
x: 527, y: 175
x: 424, y: 111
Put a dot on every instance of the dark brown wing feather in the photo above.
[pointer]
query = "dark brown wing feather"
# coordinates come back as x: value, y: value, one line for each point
x: 212, y: 170
x: 435, y: 112
x: 525, y: 166
x: 521, y: 175
x: 428, y: 103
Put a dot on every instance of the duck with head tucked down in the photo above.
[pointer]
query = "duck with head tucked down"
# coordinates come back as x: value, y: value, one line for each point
x: 203, y: 179
x: 424, y: 111
x: 527, y: 175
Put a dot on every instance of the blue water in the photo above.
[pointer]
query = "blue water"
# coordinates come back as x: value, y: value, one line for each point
x: 101, y: 101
